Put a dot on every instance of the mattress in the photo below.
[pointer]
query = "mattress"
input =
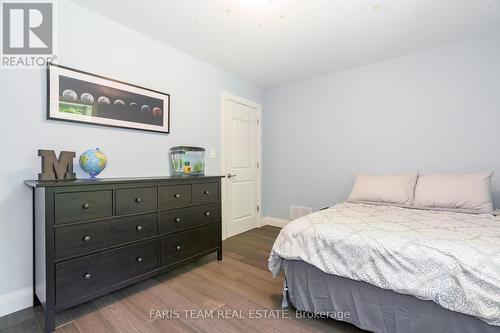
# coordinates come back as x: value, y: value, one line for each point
x: 371, y: 308
x: 451, y: 259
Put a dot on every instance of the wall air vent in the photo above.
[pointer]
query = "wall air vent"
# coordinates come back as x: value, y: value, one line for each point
x: 298, y: 211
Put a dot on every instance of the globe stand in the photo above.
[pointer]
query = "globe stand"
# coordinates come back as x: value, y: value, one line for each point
x: 93, y: 162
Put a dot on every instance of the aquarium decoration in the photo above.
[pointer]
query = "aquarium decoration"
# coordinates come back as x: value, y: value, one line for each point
x: 187, y: 161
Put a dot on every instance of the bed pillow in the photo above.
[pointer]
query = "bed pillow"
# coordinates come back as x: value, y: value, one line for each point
x: 468, y: 193
x: 394, y: 189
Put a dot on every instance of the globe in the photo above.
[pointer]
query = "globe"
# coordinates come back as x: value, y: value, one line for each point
x: 93, y: 162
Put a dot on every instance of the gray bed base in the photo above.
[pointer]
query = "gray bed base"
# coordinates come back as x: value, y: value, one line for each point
x: 368, y: 307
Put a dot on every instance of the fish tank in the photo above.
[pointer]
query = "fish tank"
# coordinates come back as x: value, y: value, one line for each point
x: 187, y: 161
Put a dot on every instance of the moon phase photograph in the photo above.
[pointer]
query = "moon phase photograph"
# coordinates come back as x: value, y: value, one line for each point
x: 106, y: 102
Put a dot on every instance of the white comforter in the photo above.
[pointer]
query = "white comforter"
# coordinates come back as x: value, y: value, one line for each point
x: 452, y: 259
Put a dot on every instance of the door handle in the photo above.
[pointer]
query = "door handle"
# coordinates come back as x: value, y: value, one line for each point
x: 230, y: 175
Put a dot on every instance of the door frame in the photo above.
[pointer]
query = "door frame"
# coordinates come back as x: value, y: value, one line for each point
x: 224, y: 97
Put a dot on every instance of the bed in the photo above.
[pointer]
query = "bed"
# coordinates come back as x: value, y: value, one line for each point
x: 394, y: 269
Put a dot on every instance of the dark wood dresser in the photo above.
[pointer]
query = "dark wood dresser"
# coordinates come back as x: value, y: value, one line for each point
x: 92, y: 237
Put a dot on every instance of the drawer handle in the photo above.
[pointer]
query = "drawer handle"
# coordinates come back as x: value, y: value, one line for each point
x: 138, y: 200
x: 85, y: 206
x: 178, y: 219
x: 178, y: 247
x: 139, y: 227
x: 87, y: 276
x: 177, y: 195
x: 207, y: 192
x: 207, y: 213
x: 139, y: 259
x: 86, y: 238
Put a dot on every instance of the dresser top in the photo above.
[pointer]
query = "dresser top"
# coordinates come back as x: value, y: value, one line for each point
x: 104, y: 181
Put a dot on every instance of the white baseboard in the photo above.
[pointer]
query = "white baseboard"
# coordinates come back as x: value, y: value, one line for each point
x: 15, y: 301
x: 275, y: 222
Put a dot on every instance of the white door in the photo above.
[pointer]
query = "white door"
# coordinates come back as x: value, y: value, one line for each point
x: 242, y: 174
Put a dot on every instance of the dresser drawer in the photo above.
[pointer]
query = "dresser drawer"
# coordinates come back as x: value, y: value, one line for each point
x: 136, y: 200
x: 189, y: 243
x: 182, y: 218
x: 204, y: 193
x: 79, y: 206
x: 91, y: 274
x: 83, y: 238
x: 175, y: 196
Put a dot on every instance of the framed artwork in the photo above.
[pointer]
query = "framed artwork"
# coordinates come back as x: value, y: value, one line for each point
x: 78, y: 96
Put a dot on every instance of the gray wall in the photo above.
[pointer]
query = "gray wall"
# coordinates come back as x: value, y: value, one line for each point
x: 435, y: 111
x: 93, y: 43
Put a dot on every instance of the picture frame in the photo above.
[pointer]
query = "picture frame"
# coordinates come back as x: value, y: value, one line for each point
x: 78, y: 96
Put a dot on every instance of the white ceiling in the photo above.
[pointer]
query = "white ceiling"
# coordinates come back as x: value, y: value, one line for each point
x: 275, y: 42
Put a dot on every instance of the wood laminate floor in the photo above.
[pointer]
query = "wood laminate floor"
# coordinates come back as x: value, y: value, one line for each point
x: 224, y: 296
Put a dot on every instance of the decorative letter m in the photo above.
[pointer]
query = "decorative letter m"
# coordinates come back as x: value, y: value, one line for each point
x: 54, y: 168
